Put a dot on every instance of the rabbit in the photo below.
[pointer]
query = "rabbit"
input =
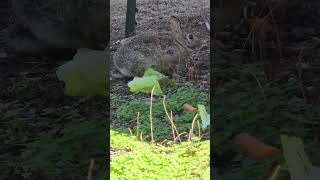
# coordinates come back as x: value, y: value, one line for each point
x: 162, y: 51
x: 56, y: 25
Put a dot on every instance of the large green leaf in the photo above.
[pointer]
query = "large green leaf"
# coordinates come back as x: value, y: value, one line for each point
x: 315, y: 173
x: 151, y: 72
x: 86, y: 74
x: 296, y: 159
x: 205, y: 117
x: 145, y: 84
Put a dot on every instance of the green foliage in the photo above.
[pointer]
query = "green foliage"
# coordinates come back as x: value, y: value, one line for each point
x: 11, y: 132
x: 245, y: 102
x: 144, y: 161
x: 65, y: 154
x: 296, y: 159
x: 205, y: 117
x: 315, y: 173
x: 14, y: 126
x: 151, y: 72
x: 135, y: 159
x: 174, y: 102
x: 87, y: 74
x: 249, y: 169
x: 145, y: 84
x: 61, y: 152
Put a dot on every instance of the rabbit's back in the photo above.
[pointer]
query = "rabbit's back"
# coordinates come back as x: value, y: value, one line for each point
x: 62, y: 24
x: 158, y: 50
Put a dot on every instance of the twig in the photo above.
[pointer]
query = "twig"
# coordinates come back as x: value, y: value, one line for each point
x: 172, y: 125
x: 191, y: 130
x: 179, y: 136
x: 304, y: 95
x: 259, y: 84
x: 90, y: 169
x: 300, y: 78
x: 174, y: 128
x: 141, y: 138
x: 275, y: 173
x: 199, y: 130
x: 138, y: 124
x: 151, y: 122
x: 262, y: 21
x: 130, y: 131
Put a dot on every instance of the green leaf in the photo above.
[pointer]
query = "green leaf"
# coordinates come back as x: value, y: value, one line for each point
x: 205, y: 117
x: 296, y: 159
x: 315, y: 173
x: 145, y: 85
x: 151, y: 72
x: 86, y: 74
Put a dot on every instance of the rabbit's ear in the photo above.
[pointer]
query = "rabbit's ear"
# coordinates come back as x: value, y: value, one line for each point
x: 175, y: 25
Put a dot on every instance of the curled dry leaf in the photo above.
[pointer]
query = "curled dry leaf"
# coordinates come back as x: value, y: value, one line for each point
x: 190, y: 108
x: 256, y: 148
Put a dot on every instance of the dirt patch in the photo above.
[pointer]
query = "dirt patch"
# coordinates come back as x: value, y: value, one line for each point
x: 154, y: 16
x: 32, y: 101
x: 286, y: 56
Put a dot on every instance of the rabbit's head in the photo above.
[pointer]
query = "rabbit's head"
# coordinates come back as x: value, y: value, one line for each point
x: 187, y: 40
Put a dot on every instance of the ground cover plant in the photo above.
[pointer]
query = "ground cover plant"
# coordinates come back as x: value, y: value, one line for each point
x: 56, y: 135
x: 38, y: 148
x: 162, y: 129
x: 133, y: 158
x: 267, y: 111
x: 140, y: 160
x: 265, y: 87
x: 42, y: 124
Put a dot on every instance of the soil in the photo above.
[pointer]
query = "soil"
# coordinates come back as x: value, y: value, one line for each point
x: 30, y: 86
x: 154, y: 16
x: 287, y: 47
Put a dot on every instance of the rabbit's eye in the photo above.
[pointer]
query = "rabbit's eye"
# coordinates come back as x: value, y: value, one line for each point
x: 190, y: 36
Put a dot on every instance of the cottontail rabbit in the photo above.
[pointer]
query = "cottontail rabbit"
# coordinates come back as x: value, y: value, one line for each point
x: 57, y: 24
x: 162, y: 51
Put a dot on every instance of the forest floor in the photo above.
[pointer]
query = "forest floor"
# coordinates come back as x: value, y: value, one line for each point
x: 155, y: 17
x: 266, y: 96
x: 125, y: 105
x: 266, y: 84
x: 37, y: 118
x: 39, y: 122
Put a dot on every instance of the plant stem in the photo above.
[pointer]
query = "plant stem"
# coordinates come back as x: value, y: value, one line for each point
x: 191, y: 130
x: 170, y: 117
x: 138, y: 124
x: 199, y: 129
x: 90, y: 169
x: 151, y: 122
